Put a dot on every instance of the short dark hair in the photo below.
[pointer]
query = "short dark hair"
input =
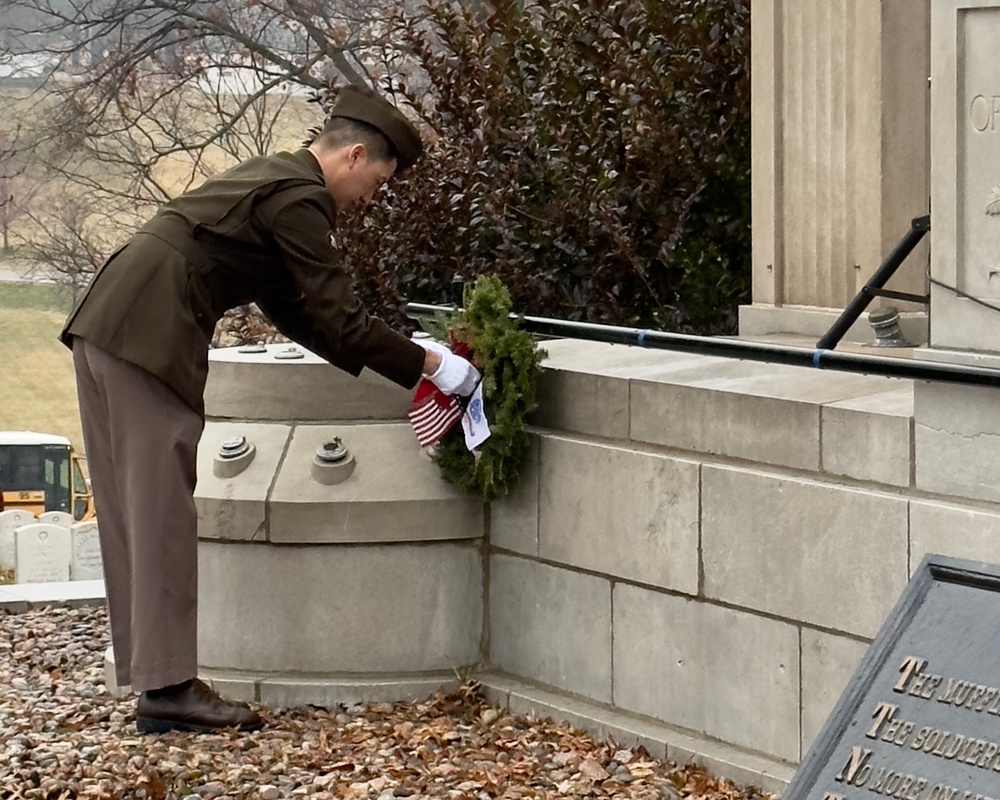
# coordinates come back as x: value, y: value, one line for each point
x: 341, y: 131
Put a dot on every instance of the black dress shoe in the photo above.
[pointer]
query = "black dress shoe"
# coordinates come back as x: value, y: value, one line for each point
x: 194, y: 708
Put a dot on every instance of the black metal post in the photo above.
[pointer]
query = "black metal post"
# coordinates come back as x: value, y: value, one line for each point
x: 918, y: 227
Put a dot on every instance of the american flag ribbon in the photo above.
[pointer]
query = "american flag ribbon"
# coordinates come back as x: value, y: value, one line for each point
x: 433, y: 413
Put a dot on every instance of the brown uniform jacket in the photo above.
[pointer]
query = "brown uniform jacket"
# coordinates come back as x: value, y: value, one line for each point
x: 260, y: 232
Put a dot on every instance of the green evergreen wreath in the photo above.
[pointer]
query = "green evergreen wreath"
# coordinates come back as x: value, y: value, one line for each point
x: 510, y: 362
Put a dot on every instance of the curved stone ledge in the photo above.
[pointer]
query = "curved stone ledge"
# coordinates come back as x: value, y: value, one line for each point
x: 262, y: 387
x: 320, y: 610
x: 327, y: 691
x: 395, y: 493
x: 287, y: 690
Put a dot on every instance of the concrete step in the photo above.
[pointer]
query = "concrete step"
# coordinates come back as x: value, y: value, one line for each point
x: 20, y: 597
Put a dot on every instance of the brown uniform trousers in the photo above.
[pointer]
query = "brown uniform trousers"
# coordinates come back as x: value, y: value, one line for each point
x: 148, y: 522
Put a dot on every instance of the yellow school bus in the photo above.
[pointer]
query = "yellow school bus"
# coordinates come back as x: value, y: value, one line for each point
x: 41, y: 472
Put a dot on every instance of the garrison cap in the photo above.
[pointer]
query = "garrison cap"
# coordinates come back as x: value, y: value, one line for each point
x: 363, y: 104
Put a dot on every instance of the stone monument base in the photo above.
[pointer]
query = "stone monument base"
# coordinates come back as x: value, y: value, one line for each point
x: 288, y: 690
x: 955, y: 431
x: 765, y: 320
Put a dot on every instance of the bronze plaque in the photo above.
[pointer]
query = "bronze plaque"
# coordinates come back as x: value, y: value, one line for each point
x: 920, y: 718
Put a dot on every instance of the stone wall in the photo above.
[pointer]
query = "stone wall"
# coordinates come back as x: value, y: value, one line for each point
x: 704, y: 548
x: 711, y: 544
x: 696, y: 559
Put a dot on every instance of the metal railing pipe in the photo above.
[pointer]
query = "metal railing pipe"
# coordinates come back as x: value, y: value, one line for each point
x: 912, y: 369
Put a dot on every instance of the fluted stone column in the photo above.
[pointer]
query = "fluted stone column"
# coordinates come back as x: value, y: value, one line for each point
x: 839, y: 147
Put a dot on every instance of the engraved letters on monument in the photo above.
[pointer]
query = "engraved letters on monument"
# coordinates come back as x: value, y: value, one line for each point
x: 920, y: 719
x: 978, y: 98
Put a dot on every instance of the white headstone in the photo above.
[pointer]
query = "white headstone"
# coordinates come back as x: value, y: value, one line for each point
x: 9, y: 521
x: 60, y: 518
x: 44, y: 553
x: 87, y: 565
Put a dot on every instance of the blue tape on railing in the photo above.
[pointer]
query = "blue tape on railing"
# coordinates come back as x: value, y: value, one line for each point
x: 640, y: 338
x: 816, y: 357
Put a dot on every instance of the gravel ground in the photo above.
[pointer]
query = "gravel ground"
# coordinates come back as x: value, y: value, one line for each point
x: 63, y: 736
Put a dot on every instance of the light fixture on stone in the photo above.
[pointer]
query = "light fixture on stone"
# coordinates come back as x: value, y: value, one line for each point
x: 333, y: 463
x: 885, y: 324
x: 234, y: 456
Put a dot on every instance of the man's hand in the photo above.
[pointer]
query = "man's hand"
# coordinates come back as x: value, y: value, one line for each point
x: 451, y: 374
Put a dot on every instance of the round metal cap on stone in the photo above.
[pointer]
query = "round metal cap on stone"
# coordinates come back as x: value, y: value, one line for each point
x: 331, y: 452
x: 290, y: 354
x: 333, y: 463
x: 234, y: 447
x: 234, y: 456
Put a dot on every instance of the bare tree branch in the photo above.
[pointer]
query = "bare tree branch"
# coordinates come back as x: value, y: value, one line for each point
x: 135, y: 101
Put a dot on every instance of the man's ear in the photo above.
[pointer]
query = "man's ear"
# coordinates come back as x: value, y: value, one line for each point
x: 357, y: 153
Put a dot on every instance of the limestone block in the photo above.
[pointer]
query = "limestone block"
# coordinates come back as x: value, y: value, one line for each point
x: 598, y: 721
x: 794, y: 323
x: 620, y: 512
x: 514, y: 519
x: 960, y: 322
x: 234, y: 508
x: 331, y: 692
x: 110, y: 676
x: 13, y: 602
x: 582, y: 402
x: 71, y: 594
x: 585, y: 385
x: 757, y: 411
x: 396, y: 608
x: 965, y: 234
x: 630, y: 730
x: 551, y: 626
x: 870, y: 437
x: 232, y: 686
x: 722, y: 672
x: 761, y: 320
x: 953, y: 530
x: 820, y: 553
x: 828, y: 662
x: 262, y: 387
x: 741, y: 767
x: 394, y: 494
x: 956, y: 435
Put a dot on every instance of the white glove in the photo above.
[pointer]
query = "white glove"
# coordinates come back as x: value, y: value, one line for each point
x: 455, y: 375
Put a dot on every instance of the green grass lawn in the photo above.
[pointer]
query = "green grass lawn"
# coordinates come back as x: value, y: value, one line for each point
x: 37, y: 387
